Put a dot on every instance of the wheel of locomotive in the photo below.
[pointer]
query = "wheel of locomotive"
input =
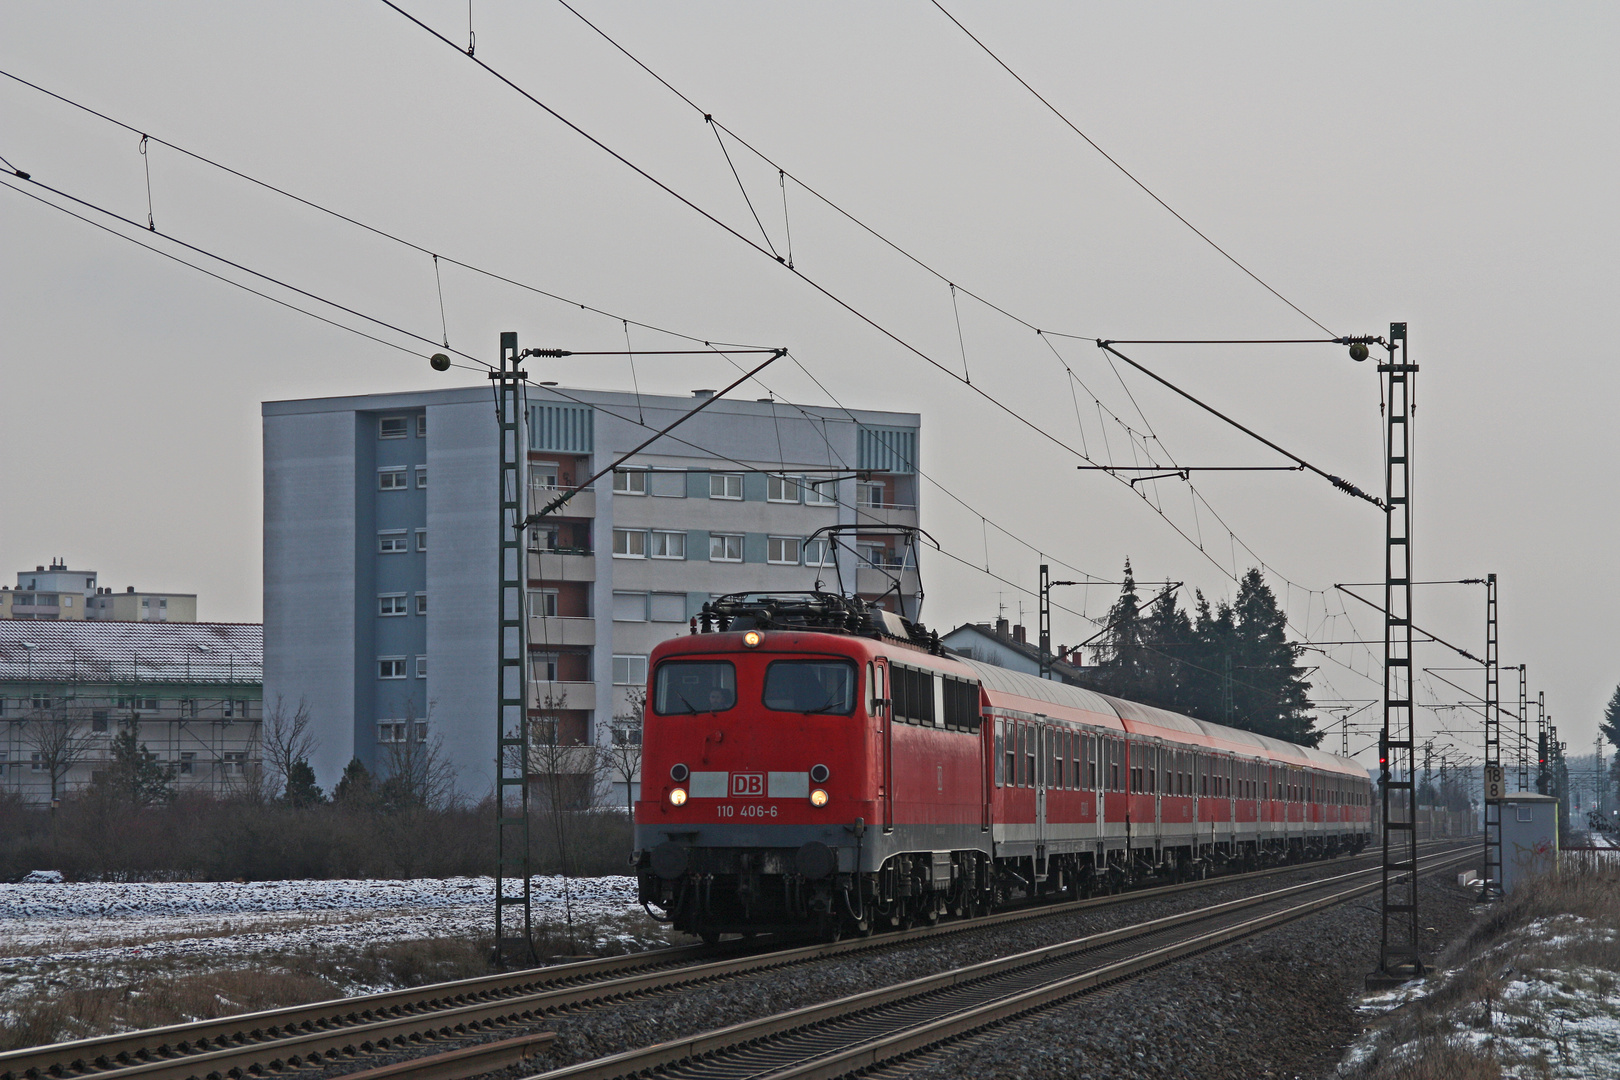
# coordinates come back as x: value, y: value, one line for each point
x: 710, y: 937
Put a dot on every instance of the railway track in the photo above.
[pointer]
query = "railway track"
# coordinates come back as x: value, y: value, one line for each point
x: 864, y: 1031
x: 325, y: 1033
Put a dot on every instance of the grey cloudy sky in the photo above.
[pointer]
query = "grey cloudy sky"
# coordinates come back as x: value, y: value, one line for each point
x: 1445, y: 164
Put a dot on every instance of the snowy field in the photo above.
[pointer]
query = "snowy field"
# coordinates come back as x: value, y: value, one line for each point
x: 1550, y: 1013
x: 59, y: 923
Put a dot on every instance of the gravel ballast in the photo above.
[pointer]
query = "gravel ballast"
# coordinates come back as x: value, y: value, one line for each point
x: 1289, y: 985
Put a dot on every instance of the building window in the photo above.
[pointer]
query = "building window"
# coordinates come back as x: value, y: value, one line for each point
x: 725, y: 547
x: 235, y: 763
x: 392, y: 480
x: 668, y: 607
x: 421, y: 667
x: 98, y: 721
x: 782, y: 489
x: 391, y: 427
x: 543, y: 667
x: 627, y: 735
x: 392, y: 731
x: 188, y: 762
x: 629, y: 544
x: 188, y: 708
x: 782, y: 550
x: 817, y: 552
x: 393, y: 542
x: 868, y: 494
x: 36, y: 762
x: 421, y: 425
x: 390, y: 667
x: 668, y: 545
x: 421, y: 539
x: 4, y: 756
x: 421, y: 476
x: 725, y: 485
x: 629, y: 481
x: 667, y: 483
x: 543, y: 474
x: 390, y: 604
x: 39, y: 701
x: 543, y: 603
x: 421, y: 603
x: 229, y: 708
x: 629, y: 671
x: 629, y: 607
x: 67, y: 601
x: 821, y: 493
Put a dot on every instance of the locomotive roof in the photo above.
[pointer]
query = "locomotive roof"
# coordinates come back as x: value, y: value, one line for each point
x: 1139, y: 719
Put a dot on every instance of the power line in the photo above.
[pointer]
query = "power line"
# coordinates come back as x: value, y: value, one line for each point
x: 1112, y: 161
x: 347, y: 219
x: 219, y: 277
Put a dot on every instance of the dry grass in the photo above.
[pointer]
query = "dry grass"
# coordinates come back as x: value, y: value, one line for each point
x: 155, y: 995
x: 1463, y: 1029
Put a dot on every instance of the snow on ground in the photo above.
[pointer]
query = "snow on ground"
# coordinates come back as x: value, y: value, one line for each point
x: 98, y: 920
x: 1553, y: 1016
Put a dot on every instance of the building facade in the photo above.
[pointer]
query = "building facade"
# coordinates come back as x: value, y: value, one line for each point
x: 381, y: 532
x: 55, y: 593
x: 191, y: 693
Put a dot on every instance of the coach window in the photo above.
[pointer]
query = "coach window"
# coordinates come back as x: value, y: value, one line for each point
x: 810, y: 686
x: 1030, y: 752
x: 686, y: 687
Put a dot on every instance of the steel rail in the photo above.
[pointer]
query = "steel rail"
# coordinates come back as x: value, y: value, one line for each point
x: 325, y: 1027
x: 468, y: 1061
x: 700, y: 1053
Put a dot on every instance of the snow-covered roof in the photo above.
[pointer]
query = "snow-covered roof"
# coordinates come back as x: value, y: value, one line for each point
x: 96, y: 651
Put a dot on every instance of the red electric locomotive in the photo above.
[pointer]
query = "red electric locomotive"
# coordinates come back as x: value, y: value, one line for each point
x: 811, y: 761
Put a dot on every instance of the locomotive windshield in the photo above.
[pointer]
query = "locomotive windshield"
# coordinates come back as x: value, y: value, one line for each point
x: 685, y: 687
x: 810, y: 686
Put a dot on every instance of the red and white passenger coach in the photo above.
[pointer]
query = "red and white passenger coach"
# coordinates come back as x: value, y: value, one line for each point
x: 813, y: 762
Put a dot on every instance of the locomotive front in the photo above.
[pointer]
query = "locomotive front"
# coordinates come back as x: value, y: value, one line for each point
x: 758, y: 776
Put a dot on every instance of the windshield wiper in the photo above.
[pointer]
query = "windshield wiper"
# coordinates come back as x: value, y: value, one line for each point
x: 829, y: 705
x: 691, y: 709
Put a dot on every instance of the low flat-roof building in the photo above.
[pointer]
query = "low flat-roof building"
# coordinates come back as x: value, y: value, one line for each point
x: 55, y: 593
x: 191, y: 692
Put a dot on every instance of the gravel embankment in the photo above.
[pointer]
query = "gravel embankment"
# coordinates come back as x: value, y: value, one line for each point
x: 1280, y: 1005
x: 1284, y: 992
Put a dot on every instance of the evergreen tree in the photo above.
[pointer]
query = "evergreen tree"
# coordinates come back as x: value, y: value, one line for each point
x: 1119, y: 652
x: 1167, y: 644
x: 1610, y: 724
x: 302, y: 791
x: 1269, y: 692
x: 354, y: 787
x: 135, y: 775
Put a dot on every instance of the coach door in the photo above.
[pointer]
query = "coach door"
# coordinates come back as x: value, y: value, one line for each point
x: 880, y: 710
x: 1043, y: 734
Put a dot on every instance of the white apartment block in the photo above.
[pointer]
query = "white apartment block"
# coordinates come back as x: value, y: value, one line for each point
x: 380, y: 551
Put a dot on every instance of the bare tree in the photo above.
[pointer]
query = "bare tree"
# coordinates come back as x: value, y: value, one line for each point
x: 60, y: 743
x: 419, y: 776
x: 566, y: 771
x: 621, y: 757
x: 286, y: 741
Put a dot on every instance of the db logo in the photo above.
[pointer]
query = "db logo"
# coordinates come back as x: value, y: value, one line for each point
x: 748, y: 784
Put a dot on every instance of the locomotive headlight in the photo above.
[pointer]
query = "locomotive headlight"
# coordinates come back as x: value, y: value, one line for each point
x: 677, y: 796
x: 752, y: 639
x: 818, y: 797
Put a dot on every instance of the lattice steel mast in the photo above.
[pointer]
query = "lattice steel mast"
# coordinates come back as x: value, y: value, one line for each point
x: 512, y: 683
x: 1524, y: 732
x: 1398, y: 955
x: 1490, y: 887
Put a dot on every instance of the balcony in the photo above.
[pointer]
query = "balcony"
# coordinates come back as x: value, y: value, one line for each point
x: 874, y: 581
x: 582, y: 505
x: 564, y: 565
x: 564, y: 695
x: 559, y: 631
x: 561, y: 760
x: 885, y: 514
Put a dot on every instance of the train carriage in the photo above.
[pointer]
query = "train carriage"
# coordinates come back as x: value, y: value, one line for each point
x: 811, y: 762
